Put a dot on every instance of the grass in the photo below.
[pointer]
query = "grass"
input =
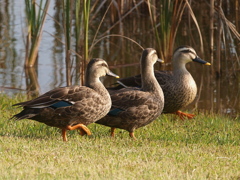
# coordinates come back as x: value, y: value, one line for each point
x: 204, y: 148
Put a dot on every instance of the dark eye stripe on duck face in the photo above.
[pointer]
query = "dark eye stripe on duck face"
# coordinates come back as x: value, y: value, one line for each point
x: 188, y: 50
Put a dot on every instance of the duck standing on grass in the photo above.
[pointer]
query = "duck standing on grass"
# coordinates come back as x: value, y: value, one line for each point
x: 74, y: 107
x: 178, y: 86
x: 133, y: 108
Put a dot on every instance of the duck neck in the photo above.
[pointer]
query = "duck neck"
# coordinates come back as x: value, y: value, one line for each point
x: 179, y: 69
x: 182, y: 76
x: 149, y: 82
x: 95, y: 84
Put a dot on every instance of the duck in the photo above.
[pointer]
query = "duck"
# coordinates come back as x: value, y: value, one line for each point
x: 72, y: 107
x: 178, y: 85
x: 134, y: 107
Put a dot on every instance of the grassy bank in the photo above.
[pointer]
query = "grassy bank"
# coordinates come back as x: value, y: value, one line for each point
x: 204, y: 148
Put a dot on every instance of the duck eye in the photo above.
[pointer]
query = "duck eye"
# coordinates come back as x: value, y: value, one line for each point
x: 104, y: 65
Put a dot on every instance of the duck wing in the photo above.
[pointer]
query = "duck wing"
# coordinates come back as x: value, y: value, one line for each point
x: 163, y: 78
x: 58, y: 97
x: 129, y: 98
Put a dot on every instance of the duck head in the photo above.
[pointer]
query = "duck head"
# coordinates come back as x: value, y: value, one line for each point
x: 184, y: 54
x: 98, y: 68
x: 150, y: 57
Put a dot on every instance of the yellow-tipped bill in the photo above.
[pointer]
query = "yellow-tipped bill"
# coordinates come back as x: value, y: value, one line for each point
x: 199, y: 60
x: 160, y: 60
x: 208, y: 64
x: 110, y: 73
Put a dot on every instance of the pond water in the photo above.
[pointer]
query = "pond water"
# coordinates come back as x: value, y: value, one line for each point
x: 215, y: 94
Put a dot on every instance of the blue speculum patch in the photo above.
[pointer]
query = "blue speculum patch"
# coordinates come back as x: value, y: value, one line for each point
x: 61, y: 104
x: 114, y: 112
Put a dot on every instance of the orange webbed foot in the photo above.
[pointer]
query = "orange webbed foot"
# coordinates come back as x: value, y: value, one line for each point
x: 82, y: 127
x: 183, y: 115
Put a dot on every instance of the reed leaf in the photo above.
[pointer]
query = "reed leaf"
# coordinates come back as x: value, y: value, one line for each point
x: 86, y: 13
x: 96, y: 33
x: 67, y: 24
x: 86, y: 10
x: 123, y: 17
x: 117, y: 35
x: 35, y: 20
x: 165, y: 24
x: 196, y: 24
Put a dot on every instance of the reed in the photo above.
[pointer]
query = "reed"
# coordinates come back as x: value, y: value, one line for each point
x: 67, y: 26
x: 78, y: 26
x: 166, y: 18
x: 36, y: 15
x: 32, y: 82
x: 75, y: 22
x: 227, y: 36
x: 86, y: 11
x: 161, y: 23
x: 166, y: 23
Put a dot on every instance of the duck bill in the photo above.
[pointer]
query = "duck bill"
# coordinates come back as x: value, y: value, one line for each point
x: 160, y: 60
x: 112, y: 74
x: 199, y: 60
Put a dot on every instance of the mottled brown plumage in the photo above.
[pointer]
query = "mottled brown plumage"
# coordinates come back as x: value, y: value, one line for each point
x: 133, y: 108
x: 73, y: 107
x: 178, y: 86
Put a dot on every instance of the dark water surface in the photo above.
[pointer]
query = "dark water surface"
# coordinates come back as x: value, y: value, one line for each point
x: 215, y: 94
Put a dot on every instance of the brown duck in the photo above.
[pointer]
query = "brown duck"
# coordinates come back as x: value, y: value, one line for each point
x: 74, y: 107
x: 133, y: 108
x: 178, y: 86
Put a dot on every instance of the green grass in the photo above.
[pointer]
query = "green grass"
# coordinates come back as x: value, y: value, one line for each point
x: 204, y: 148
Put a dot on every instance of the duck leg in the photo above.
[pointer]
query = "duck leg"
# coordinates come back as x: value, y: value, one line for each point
x: 82, y: 127
x: 131, y: 134
x: 64, y: 134
x: 112, y: 131
x: 182, y: 115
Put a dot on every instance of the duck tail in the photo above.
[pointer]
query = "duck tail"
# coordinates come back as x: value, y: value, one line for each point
x: 24, y: 114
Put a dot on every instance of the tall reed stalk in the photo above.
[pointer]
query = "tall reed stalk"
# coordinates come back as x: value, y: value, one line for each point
x: 165, y: 24
x: 166, y: 17
x: 67, y: 24
x: 76, y: 23
x: 35, y: 20
x: 86, y: 11
x: 32, y: 85
x: 211, y: 26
